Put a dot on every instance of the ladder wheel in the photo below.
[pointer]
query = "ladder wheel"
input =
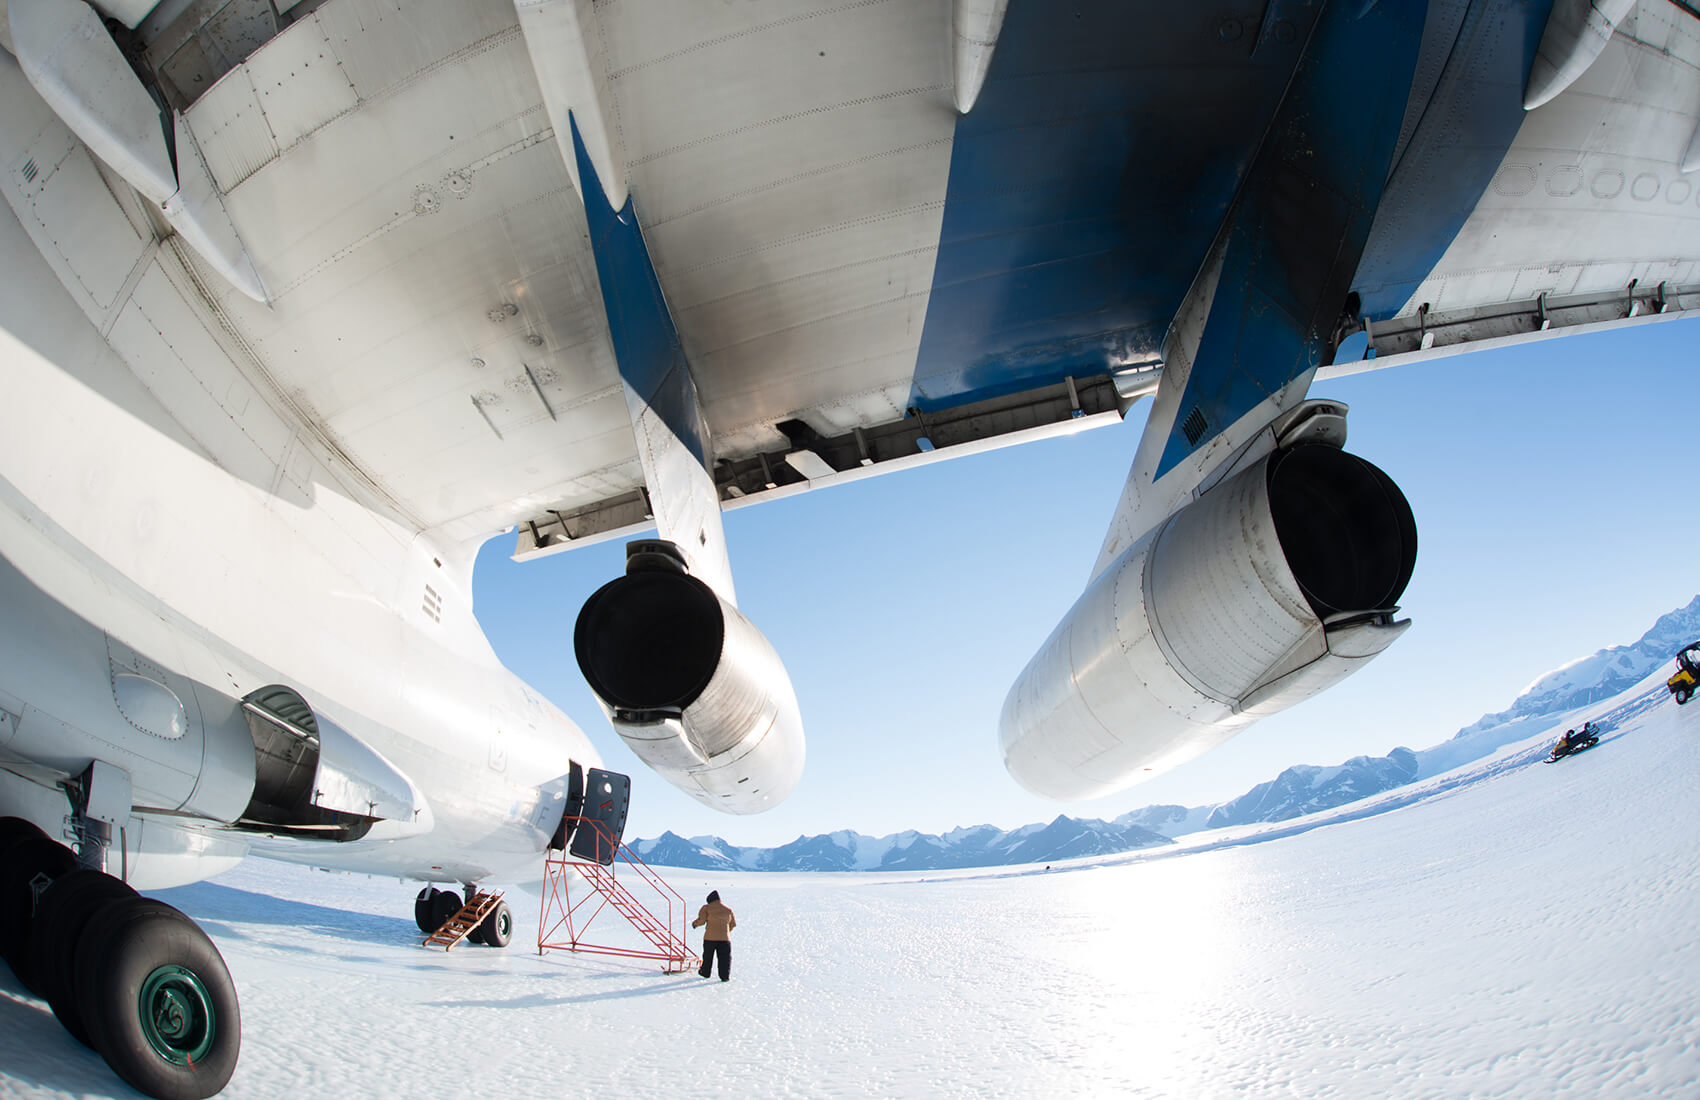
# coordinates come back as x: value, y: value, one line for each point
x: 497, y: 928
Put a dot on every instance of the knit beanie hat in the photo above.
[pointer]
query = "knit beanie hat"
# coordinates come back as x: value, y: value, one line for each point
x: 713, y: 896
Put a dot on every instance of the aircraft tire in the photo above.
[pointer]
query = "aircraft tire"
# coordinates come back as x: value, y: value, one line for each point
x: 20, y: 865
x: 14, y: 829
x: 158, y: 1000
x: 444, y: 904
x: 66, y: 910
x: 496, y: 929
x: 422, y: 909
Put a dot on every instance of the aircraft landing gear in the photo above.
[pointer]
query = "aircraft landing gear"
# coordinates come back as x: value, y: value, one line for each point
x: 497, y: 927
x: 65, y: 912
x: 433, y: 906
x: 27, y: 867
x: 157, y: 999
x: 422, y: 909
x: 129, y: 976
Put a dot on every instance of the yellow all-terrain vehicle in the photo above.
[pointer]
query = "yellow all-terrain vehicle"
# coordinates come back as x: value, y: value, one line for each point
x: 1687, y: 673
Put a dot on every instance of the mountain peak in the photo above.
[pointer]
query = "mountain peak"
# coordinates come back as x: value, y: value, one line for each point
x: 1600, y: 675
x: 1299, y: 789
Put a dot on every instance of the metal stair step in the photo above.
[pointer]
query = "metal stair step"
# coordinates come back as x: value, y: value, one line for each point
x: 602, y: 879
x: 461, y: 924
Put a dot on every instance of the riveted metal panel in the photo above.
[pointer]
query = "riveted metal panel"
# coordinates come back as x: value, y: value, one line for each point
x: 194, y: 46
x: 1110, y: 638
x: 1225, y: 604
x: 71, y: 202
x: 300, y: 82
x: 190, y: 372
x: 383, y: 43
x: 149, y: 705
x: 354, y: 778
x: 776, y: 304
x: 1664, y: 27
x: 231, y: 130
x: 1555, y: 279
x: 1591, y: 180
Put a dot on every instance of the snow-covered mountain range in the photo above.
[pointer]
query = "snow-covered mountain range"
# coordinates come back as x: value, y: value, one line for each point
x: 1299, y: 790
x: 1306, y: 788
x: 979, y: 846
x: 1602, y: 675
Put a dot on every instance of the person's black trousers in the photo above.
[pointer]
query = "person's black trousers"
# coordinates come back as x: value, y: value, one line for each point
x: 716, y: 949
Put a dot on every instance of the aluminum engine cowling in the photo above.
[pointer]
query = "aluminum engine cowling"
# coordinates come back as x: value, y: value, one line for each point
x: 691, y: 685
x: 1271, y: 587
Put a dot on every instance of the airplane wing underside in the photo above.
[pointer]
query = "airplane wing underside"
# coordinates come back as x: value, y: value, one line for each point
x: 859, y: 273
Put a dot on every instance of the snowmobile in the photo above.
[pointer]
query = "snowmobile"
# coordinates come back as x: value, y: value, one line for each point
x: 1574, y: 741
x: 1687, y: 673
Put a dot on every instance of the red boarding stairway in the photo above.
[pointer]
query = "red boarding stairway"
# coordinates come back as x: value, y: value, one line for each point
x: 613, y: 878
x: 459, y: 926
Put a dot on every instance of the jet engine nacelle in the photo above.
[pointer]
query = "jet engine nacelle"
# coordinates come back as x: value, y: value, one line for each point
x: 1271, y: 587
x: 690, y: 684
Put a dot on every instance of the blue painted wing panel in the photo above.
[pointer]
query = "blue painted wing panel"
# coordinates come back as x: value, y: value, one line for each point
x: 1299, y: 226
x: 1087, y: 183
x: 640, y: 326
x: 1454, y: 151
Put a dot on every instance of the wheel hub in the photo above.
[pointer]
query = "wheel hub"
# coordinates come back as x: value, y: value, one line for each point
x: 177, y: 1015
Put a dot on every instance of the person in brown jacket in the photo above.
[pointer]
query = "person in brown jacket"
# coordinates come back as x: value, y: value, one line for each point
x: 717, y: 938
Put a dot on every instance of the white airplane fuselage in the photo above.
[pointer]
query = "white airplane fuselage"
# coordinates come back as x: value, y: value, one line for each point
x: 137, y: 495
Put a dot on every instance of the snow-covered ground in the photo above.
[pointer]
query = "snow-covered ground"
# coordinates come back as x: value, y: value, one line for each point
x: 1510, y: 929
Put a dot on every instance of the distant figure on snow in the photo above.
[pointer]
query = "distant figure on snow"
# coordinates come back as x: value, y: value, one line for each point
x: 717, y: 938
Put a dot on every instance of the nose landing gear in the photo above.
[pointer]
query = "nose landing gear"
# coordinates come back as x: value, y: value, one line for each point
x: 434, y: 908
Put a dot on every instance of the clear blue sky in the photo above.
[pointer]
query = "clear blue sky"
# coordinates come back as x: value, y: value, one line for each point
x: 1556, y: 489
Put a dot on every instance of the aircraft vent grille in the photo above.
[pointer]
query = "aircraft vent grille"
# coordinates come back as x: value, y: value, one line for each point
x: 30, y: 170
x: 1194, y: 426
x: 432, y: 604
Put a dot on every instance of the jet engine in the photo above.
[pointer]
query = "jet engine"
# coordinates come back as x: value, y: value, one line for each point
x: 690, y: 684
x: 1272, y: 586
